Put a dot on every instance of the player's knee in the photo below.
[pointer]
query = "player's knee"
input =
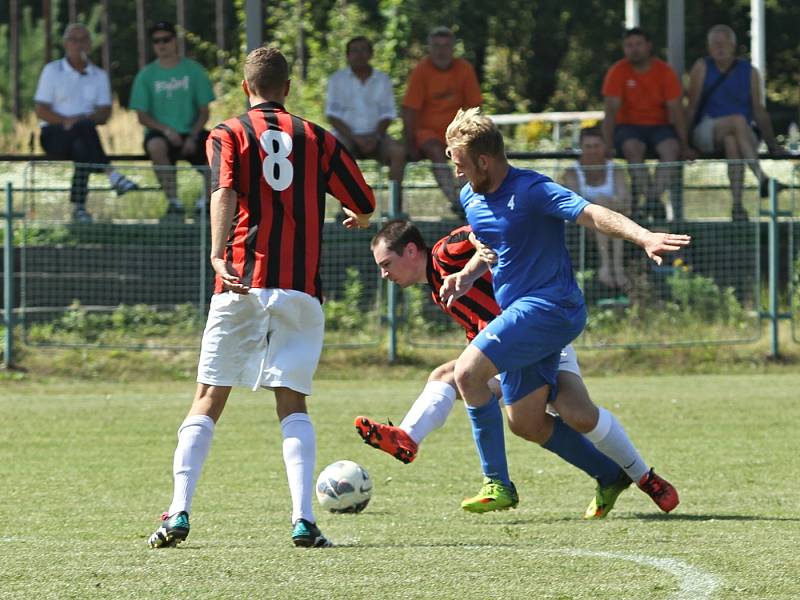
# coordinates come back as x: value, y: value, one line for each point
x: 532, y: 430
x: 444, y: 373
x: 464, y: 377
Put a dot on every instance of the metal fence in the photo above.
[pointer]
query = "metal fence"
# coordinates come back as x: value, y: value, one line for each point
x: 138, y: 277
x: 793, y: 256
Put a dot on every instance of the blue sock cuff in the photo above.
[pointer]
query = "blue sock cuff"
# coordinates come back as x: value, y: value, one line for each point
x: 489, y: 408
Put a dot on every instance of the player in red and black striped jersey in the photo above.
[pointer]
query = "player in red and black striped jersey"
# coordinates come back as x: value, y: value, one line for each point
x: 278, y: 168
x: 270, y: 172
x: 477, y: 307
x: 402, y: 256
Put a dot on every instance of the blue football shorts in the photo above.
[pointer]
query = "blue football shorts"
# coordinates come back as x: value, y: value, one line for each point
x: 525, y: 341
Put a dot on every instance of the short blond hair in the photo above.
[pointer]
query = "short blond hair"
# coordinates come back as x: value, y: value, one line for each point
x: 474, y: 132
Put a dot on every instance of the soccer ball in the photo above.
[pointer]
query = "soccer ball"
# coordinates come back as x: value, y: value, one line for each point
x: 344, y: 487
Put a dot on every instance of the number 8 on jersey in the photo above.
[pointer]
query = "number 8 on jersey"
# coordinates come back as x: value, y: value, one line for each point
x: 278, y: 170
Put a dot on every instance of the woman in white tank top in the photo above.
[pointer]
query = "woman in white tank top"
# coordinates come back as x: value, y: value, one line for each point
x: 595, y: 178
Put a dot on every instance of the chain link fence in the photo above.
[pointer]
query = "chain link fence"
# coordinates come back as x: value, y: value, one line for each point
x: 793, y: 256
x: 709, y: 293
x: 138, y: 274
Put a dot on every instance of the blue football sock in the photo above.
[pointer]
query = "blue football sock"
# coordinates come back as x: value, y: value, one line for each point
x: 487, y: 431
x: 574, y: 448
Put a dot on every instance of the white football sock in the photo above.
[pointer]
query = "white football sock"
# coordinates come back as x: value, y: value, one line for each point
x: 611, y: 439
x: 194, y: 440
x: 299, y: 456
x: 429, y: 411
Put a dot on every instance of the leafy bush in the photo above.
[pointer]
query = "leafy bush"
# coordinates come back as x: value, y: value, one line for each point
x: 346, y: 314
x: 701, y: 298
x: 126, y: 325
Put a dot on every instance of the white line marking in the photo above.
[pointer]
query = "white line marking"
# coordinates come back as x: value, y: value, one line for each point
x: 693, y: 583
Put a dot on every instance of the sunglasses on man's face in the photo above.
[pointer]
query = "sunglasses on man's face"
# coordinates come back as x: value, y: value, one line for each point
x: 162, y: 40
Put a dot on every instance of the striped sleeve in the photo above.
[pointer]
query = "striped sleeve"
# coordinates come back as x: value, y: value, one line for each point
x: 344, y: 179
x: 222, y: 155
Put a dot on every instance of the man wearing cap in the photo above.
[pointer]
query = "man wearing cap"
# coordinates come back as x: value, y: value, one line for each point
x: 171, y: 97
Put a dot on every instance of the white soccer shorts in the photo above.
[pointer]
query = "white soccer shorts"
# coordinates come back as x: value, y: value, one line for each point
x: 266, y: 338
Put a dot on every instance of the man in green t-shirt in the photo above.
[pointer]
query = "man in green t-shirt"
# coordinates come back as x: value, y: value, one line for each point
x: 171, y: 97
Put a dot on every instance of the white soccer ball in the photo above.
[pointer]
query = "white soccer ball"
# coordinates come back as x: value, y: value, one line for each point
x: 344, y: 487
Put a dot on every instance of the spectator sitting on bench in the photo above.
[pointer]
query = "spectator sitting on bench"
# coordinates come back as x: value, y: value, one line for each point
x: 594, y: 177
x: 360, y: 106
x: 644, y: 111
x: 73, y: 97
x: 171, y: 97
x: 724, y: 100
x: 439, y: 86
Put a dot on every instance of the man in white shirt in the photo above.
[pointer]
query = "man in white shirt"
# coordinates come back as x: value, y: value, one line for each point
x: 360, y: 106
x: 72, y: 97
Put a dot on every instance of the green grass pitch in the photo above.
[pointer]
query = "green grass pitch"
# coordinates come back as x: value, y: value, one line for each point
x: 85, y: 470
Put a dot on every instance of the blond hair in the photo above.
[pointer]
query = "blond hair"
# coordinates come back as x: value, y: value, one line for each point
x: 474, y: 132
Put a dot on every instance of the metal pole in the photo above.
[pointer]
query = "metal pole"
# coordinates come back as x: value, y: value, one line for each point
x: 631, y: 14
x: 13, y: 55
x: 758, y: 49
x: 73, y: 11
x: 254, y: 26
x: 773, y: 269
x: 105, y: 27
x: 394, y: 209
x: 220, y: 16
x: 141, y: 43
x: 48, y: 30
x: 8, y: 277
x: 180, y: 9
x: 675, y: 36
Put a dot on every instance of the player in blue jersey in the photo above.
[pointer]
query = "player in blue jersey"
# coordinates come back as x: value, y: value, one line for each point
x: 520, y: 215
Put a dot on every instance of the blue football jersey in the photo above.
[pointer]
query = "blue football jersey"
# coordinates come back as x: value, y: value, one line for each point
x: 523, y: 222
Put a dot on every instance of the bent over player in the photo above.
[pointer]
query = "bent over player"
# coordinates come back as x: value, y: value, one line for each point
x: 270, y: 171
x: 520, y: 215
x: 402, y: 255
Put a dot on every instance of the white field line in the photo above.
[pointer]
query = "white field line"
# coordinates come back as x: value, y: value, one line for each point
x: 693, y: 583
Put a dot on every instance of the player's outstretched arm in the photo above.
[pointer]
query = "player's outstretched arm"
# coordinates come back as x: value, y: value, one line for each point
x: 456, y: 285
x: 612, y: 223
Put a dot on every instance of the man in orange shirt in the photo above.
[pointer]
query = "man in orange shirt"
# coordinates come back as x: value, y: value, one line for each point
x: 439, y: 86
x: 643, y: 106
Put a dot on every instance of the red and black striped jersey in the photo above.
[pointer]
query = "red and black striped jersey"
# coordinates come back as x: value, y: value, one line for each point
x: 281, y: 166
x: 477, y: 307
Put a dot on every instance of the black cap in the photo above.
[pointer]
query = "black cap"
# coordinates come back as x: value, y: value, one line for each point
x: 163, y: 26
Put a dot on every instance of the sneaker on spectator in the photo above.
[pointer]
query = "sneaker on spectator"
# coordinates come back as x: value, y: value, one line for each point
x: 125, y: 185
x: 175, y: 210
x: 80, y: 215
x: 763, y: 187
x: 739, y: 215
